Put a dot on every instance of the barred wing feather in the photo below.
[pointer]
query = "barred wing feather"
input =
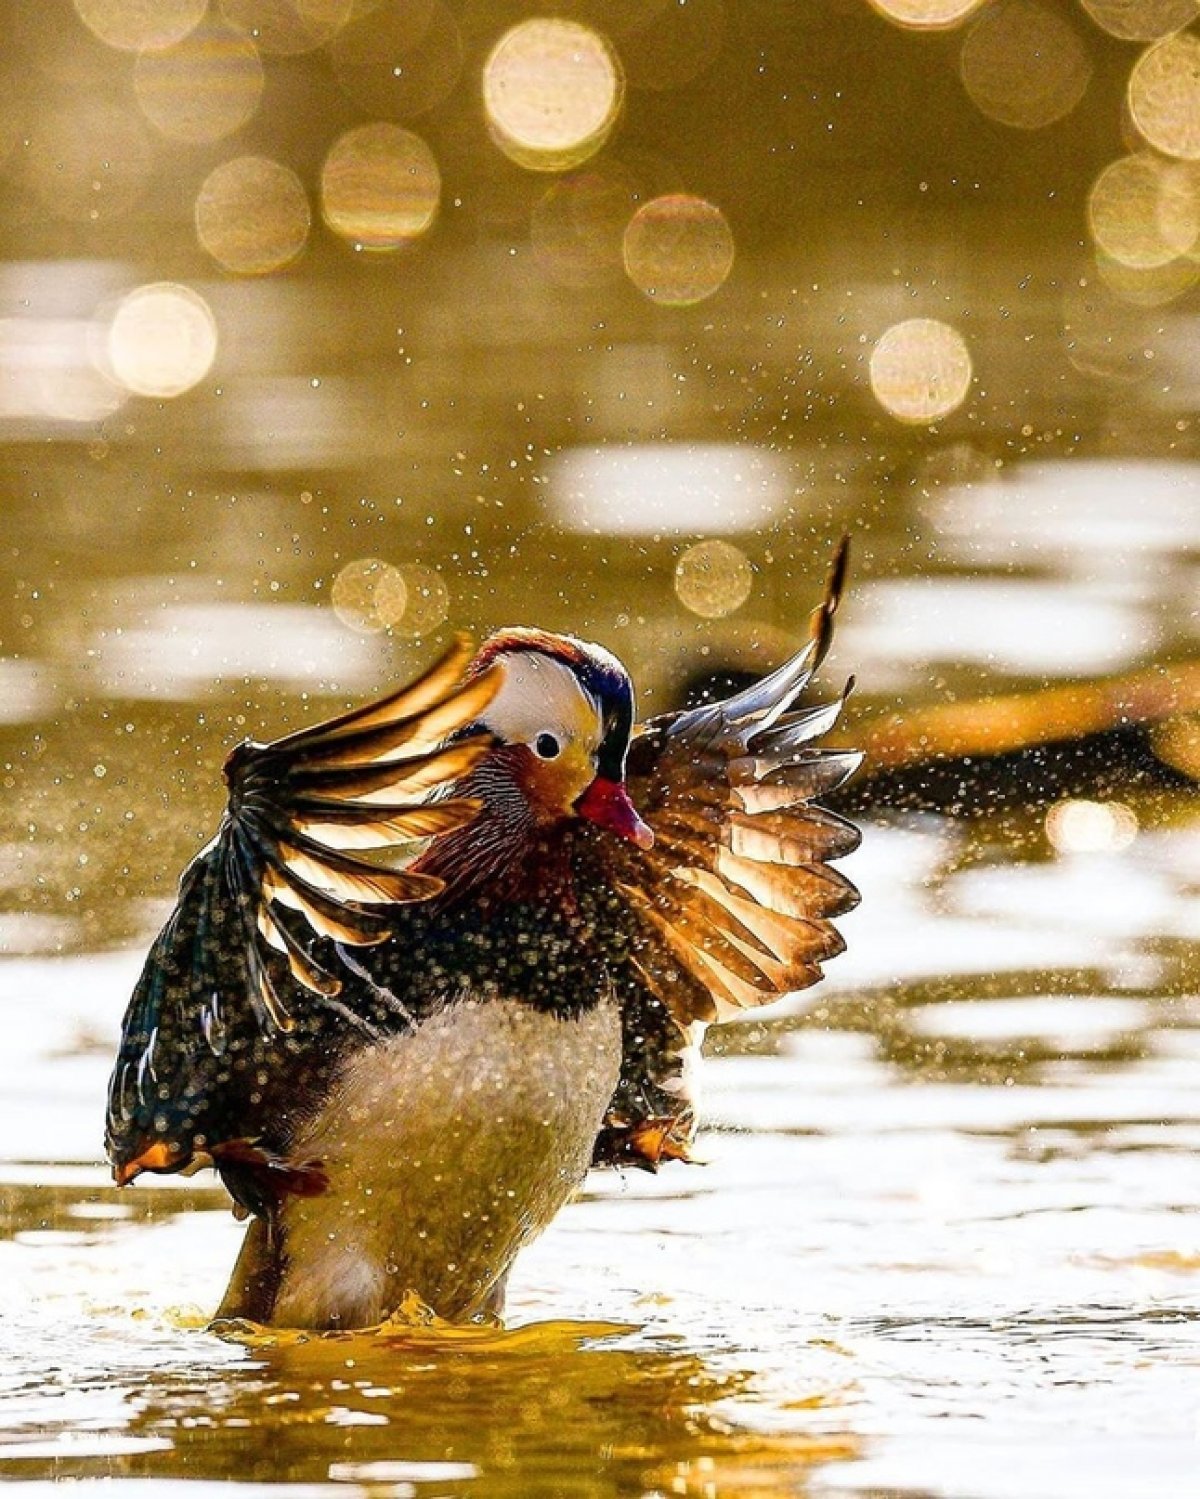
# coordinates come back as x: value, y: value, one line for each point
x: 241, y: 961
x: 737, y: 898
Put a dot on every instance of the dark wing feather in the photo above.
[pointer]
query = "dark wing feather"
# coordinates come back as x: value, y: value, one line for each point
x: 244, y: 970
x: 734, y: 905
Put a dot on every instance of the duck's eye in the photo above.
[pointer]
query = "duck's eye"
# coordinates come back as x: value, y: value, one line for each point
x: 547, y: 746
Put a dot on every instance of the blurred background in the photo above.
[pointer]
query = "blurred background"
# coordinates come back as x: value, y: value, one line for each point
x: 328, y: 327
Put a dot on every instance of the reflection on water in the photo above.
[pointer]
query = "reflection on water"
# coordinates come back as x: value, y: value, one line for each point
x: 646, y: 489
x: 186, y: 652
x: 1064, y: 631
x: 1090, y: 517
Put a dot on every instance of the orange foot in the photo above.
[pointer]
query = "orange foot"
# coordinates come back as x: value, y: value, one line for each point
x: 161, y: 1156
x: 646, y: 1144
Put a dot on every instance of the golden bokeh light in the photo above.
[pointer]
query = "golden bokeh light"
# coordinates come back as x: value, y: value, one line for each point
x: 1144, y: 212
x: 380, y: 186
x: 1106, y: 334
x: 920, y: 370
x: 162, y: 340
x: 400, y: 60
x: 135, y: 25
x: 286, y: 28
x: 1164, y: 96
x: 1140, y: 20
x: 552, y: 91
x: 427, y: 603
x: 678, y: 249
x: 1087, y: 827
x: 578, y: 225
x: 1148, y: 286
x: 369, y: 595
x: 926, y: 15
x: 713, y: 579
x: 252, y: 215
x: 204, y: 87
x: 1024, y: 64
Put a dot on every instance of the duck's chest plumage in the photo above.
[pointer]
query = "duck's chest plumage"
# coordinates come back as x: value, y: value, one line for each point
x: 446, y: 1150
x: 453, y: 1132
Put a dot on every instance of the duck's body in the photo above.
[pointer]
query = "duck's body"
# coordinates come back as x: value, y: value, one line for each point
x: 403, y: 1073
x: 450, y: 1141
x: 446, y: 1150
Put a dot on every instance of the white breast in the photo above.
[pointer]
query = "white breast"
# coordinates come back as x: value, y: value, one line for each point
x: 447, y: 1150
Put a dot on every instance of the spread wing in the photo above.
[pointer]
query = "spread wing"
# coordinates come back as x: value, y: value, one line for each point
x: 734, y: 905
x: 240, y: 971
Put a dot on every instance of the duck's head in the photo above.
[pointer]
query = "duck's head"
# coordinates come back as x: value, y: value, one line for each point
x: 563, y: 715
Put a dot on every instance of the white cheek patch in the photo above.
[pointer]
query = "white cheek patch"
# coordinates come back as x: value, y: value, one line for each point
x: 539, y: 695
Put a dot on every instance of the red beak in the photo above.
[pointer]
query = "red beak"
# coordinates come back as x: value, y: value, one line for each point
x: 607, y: 804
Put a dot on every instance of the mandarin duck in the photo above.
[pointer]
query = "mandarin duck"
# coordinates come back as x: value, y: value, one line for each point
x: 403, y: 1066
